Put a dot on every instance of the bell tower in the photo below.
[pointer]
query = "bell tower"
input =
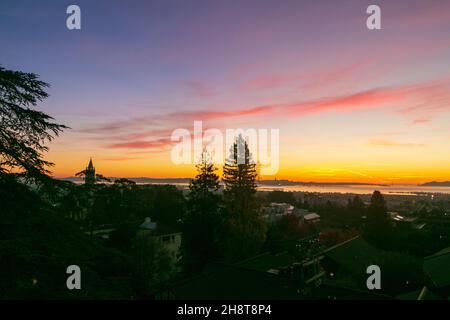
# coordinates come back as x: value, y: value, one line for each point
x: 89, y: 177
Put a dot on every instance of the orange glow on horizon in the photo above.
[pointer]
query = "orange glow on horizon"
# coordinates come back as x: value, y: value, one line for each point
x: 327, y: 172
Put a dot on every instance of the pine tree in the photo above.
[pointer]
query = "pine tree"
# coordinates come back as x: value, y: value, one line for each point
x: 245, y: 228
x: 377, y: 225
x: 23, y: 130
x: 202, y: 223
x: 206, y: 181
x: 356, y: 210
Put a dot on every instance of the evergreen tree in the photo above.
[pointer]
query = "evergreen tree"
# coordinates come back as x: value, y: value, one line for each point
x: 37, y: 245
x: 201, y: 227
x: 245, y: 228
x: 377, y: 224
x: 356, y: 210
x: 23, y: 130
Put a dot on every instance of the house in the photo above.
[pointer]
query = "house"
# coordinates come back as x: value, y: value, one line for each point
x: 402, y: 219
x: 229, y: 282
x: 169, y: 238
x: 275, y: 211
x: 407, y: 221
x: 437, y: 278
x: 311, y: 217
x: 346, y: 260
x: 264, y: 277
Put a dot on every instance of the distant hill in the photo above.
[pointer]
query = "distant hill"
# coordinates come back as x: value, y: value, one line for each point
x: 436, y: 184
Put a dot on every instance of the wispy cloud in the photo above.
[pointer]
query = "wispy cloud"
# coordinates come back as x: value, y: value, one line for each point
x: 306, y: 79
x: 152, y: 144
x: 120, y: 159
x: 391, y: 143
x: 360, y: 100
x: 153, y: 131
x: 421, y: 121
x: 214, y: 115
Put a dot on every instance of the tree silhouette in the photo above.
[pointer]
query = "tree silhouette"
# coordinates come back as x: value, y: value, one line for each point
x: 202, y: 223
x: 239, y: 171
x: 245, y: 228
x: 124, y: 182
x: 24, y: 131
x: 356, y: 210
x: 34, y: 239
x: 377, y: 225
x: 98, y: 176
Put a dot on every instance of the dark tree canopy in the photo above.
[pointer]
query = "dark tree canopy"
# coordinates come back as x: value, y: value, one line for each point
x: 239, y: 171
x: 23, y: 130
x: 245, y: 227
x: 377, y: 207
x: 377, y: 225
x: 100, y: 177
x: 356, y: 209
x: 202, y: 222
x: 124, y: 182
x: 206, y: 182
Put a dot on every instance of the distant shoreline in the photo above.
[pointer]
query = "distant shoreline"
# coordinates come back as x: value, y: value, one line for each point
x: 270, y: 182
x: 260, y: 182
x: 298, y: 186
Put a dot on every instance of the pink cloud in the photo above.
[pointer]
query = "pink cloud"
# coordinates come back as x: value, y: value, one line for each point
x: 209, y: 115
x: 154, y: 144
x: 306, y: 79
x: 153, y: 132
x: 360, y: 100
x: 116, y: 127
x: 421, y: 121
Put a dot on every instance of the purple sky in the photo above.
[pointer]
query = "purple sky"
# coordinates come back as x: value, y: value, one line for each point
x: 350, y: 103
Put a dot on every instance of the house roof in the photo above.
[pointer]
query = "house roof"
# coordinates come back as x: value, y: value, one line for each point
x: 148, y: 224
x: 233, y: 282
x: 437, y: 268
x: 332, y: 291
x: 157, y: 228
x: 354, y: 254
x: 414, y: 295
x: 311, y: 216
x: 268, y: 261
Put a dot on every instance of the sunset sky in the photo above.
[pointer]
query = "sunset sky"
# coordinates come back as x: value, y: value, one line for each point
x: 351, y: 104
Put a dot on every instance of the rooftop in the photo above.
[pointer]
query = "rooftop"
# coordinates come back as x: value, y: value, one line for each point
x: 311, y: 216
x: 354, y: 254
x: 437, y: 268
x: 233, y: 282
